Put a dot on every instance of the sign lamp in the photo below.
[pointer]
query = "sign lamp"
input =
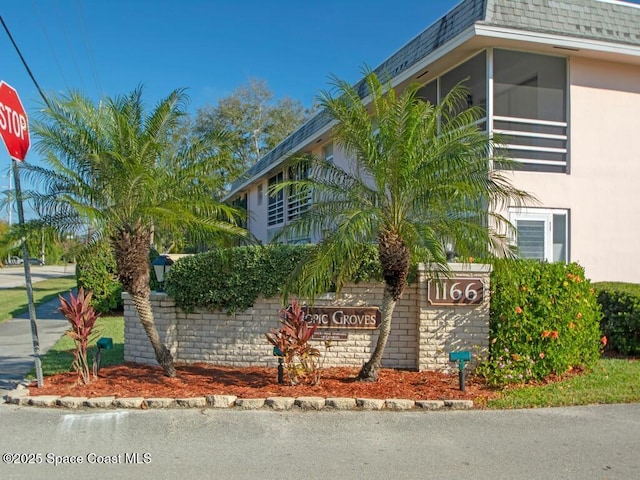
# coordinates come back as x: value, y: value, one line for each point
x: 161, y: 267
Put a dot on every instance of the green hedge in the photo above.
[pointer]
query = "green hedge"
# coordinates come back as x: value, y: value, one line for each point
x: 231, y: 279
x: 545, y: 319
x: 96, y: 272
x: 620, y: 303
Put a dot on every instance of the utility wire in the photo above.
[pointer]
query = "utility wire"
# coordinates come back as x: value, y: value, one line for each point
x: 49, y: 43
x: 87, y: 44
x: 24, y: 62
x: 69, y: 44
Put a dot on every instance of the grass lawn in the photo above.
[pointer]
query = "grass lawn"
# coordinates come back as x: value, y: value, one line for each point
x: 611, y: 381
x: 13, y: 301
x: 59, y: 358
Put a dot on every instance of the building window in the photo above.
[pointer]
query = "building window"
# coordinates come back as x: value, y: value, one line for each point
x: 271, y: 233
x: 529, y: 111
x: 327, y: 152
x: 260, y: 193
x: 298, y: 241
x: 473, y: 74
x: 542, y: 234
x: 297, y: 201
x: 240, y: 202
x: 275, y: 214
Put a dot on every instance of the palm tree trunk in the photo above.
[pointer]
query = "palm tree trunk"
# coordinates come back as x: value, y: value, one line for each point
x: 394, y: 257
x: 369, y: 371
x: 145, y: 314
x: 131, y: 250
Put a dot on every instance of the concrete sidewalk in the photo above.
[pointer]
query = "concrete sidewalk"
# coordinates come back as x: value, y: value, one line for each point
x: 16, y: 347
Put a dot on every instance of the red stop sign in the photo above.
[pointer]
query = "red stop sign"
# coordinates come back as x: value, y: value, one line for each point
x: 14, y: 126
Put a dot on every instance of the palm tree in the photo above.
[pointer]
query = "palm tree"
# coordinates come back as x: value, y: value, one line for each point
x: 112, y: 170
x: 420, y: 179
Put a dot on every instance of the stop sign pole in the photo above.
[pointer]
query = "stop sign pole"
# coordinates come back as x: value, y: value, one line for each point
x: 14, y: 129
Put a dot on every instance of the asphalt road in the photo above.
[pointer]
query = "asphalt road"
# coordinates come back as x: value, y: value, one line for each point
x: 13, y: 275
x: 595, y: 442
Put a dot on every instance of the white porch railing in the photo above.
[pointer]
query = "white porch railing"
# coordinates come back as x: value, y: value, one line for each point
x: 529, y: 140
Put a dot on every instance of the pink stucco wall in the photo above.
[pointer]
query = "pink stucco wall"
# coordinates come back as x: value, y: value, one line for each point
x: 602, y: 190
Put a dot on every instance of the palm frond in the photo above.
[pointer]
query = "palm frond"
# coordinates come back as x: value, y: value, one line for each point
x: 112, y: 164
x: 420, y: 173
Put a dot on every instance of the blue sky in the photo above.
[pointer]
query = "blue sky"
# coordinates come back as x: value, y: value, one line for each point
x: 108, y: 47
x: 210, y: 47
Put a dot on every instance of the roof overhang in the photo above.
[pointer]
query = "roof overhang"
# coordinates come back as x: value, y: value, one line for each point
x: 556, y: 44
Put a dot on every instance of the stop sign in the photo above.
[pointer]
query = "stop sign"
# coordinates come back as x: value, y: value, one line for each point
x: 14, y: 127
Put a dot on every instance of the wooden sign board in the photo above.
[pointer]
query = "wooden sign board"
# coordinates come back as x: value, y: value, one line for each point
x: 455, y: 291
x: 330, y: 336
x: 343, y: 317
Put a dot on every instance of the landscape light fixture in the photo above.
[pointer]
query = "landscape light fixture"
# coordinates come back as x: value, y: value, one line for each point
x: 278, y: 353
x: 105, y: 343
x: 449, y: 251
x: 161, y: 267
x: 461, y: 357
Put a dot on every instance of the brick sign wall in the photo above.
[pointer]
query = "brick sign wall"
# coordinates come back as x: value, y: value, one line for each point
x: 238, y: 339
x: 422, y: 335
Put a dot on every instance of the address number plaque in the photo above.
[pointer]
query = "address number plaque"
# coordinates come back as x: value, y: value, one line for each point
x: 455, y: 291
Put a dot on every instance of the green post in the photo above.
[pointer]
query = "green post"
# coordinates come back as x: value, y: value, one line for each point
x: 460, y: 357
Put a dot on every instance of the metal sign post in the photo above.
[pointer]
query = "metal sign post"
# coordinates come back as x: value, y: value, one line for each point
x: 27, y: 276
x: 14, y: 130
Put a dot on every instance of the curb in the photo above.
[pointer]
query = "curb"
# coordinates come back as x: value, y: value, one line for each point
x: 21, y: 397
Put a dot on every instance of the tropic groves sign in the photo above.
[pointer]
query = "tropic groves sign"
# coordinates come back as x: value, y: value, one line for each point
x: 343, y: 317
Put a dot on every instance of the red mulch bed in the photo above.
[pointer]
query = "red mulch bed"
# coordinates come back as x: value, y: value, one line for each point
x: 195, y: 380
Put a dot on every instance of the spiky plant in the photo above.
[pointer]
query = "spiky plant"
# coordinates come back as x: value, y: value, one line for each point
x: 292, y: 342
x: 82, y: 317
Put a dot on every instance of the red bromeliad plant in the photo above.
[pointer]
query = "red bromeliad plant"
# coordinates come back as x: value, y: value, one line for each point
x: 82, y: 318
x: 292, y: 341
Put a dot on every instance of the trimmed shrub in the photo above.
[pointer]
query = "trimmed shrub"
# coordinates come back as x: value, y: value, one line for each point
x: 231, y: 279
x: 96, y: 272
x: 620, y: 303
x: 545, y: 319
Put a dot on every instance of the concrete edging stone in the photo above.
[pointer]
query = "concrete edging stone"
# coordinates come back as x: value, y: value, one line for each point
x: 21, y: 397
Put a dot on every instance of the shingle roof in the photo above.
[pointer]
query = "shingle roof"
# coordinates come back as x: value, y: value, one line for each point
x: 457, y: 20
x: 607, y: 21
x: 589, y: 19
